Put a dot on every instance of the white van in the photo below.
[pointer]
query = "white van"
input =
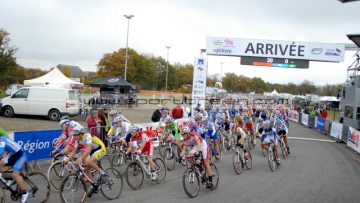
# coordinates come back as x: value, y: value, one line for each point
x: 11, y: 89
x: 43, y: 101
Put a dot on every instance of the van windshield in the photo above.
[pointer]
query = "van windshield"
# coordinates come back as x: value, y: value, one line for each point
x: 72, y: 95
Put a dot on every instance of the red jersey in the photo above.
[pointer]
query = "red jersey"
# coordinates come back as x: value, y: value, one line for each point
x: 192, y: 139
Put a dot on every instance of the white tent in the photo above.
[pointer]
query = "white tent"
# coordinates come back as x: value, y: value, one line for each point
x: 329, y: 99
x: 274, y: 93
x: 54, y: 78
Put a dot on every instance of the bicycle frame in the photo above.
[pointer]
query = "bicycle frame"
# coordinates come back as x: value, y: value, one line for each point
x: 144, y: 166
x: 15, y: 193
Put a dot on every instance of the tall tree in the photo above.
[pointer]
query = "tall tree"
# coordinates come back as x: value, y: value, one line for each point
x: 229, y: 82
x: 7, y: 52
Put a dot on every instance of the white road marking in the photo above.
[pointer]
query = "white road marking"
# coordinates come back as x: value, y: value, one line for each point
x: 311, y: 139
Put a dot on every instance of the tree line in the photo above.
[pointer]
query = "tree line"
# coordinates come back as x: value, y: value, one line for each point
x: 149, y: 72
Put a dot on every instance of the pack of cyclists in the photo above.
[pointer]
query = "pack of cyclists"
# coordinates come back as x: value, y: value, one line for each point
x: 191, y: 137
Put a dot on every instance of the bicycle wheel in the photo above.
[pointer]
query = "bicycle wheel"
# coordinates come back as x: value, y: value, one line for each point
x: 134, y: 175
x: 2, y: 195
x: 250, y: 142
x: 271, y: 160
x: 56, y: 173
x: 38, y: 186
x: 73, y: 189
x: 216, y: 177
x: 161, y: 170
x: 263, y: 151
x: 248, y: 160
x: 162, y: 149
x: 119, y: 162
x: 169, y: 159
x: 237, y: 163
x: 113, y: 185
x: 191, y: 182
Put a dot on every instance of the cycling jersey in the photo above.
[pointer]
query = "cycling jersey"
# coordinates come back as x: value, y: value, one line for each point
x: 191, y: 141
x: 66, y: 135
x: 140, y: 138
x: 87, y: 139
x: 175, y: 131
x: 15, y: 157
x: 211, y: 131
x: 268, y: 135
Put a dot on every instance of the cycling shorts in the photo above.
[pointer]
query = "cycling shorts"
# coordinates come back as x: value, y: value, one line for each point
x: 148, y: 148
x: 127, y: 137
x: 261, y: 130
x: 98, y: 153
x: 16, y: 161
x: 269, y: 138
x: 282, y: 132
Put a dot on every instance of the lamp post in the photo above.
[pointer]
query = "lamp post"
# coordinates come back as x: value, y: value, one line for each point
x: 167, y: 67
x: 127, y: 43
x: 221, y: 73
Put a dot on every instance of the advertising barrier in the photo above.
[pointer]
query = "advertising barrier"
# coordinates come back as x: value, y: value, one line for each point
x: 305, y: 119
x: 354, y: 139
x: 320, y: 124
x: 36, y: 144
x: 336, y: 130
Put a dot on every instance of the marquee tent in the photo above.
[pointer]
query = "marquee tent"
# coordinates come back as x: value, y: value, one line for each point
x: 54, y: 78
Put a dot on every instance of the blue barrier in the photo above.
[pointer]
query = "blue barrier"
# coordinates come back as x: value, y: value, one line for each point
x: 37, y: 144
x: 320, y: 124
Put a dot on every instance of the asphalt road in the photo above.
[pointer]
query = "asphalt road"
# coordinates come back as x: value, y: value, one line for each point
x: 315, y: 171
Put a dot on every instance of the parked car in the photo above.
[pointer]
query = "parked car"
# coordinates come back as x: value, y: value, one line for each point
x: 11, y: 89
x: 43, y: 101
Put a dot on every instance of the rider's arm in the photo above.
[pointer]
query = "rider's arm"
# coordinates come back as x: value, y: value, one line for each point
x: 198, y: 144
x: 84, y: 155
x: 73, y: 152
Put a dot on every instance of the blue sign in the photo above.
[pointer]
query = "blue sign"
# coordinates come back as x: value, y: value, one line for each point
x: 320, y: 124
x: 37, y: 144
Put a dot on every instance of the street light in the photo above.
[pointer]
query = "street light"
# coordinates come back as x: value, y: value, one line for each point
x: 221, y: 76
x: 167, y: 67
x: 127, y: 42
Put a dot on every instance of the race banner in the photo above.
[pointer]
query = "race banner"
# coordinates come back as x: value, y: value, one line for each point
x: 336, y: 130
x: 320, y: 123
x: 294, y: 116
x: 305, y: 119
x: 354, y: 139
x: 199, y: 83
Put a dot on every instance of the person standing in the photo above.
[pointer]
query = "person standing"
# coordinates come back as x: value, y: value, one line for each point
x: 324, y: 113
x: 94, y: 123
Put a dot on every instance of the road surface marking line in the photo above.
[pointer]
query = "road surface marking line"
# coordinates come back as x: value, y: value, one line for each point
x: 311, y: 139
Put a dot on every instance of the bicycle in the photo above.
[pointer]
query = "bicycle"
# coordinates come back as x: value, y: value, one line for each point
x: 250, y: 139
x: 195, y: 172
x: 170, y: 154
x: 120, y: 160
x: 224, y: 141
x: 36, y: 184
x: 212, y: 150
x: 271, y: 156
x: 284, y: 151
x: 241, y: 159
x: 110, y: 186
x: 139, y: 167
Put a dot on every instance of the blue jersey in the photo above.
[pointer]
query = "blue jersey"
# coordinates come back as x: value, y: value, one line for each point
x: 8, y: 145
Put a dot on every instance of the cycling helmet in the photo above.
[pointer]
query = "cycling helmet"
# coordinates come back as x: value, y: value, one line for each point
x: 204, y: 119
x: 165, y: 111
x: 209, y: 126
x: 134, y: 128
x: 267, y: 124
x: 64, y: 122
x: 78, y: 130
x: 197, y: 116
x: 219, y: 115
x: 65, y: 117
x: 185, y: 130
x: 261, y: 120
x: 113, y: 112
x: 117, y: 119
x: 276, y: 112
x: 167, y: 119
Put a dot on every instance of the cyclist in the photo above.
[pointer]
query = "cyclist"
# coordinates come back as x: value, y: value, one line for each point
x: 91, y: 148
x: 121, y: 131
x: 13, y: 156
x: 192, y: 139
x: 282, y: 130
x: 172, y: 132
x: 141, y: 143
x: 259, y: 128
x: 249, y: 126
x: 240, y: 135
x: 267, y: 136
x: 63, y: 141
x: 213, y: 134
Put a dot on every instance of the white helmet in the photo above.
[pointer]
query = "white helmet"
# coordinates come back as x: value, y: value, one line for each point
x: 117, y: 119
x: 77, y: 130
x: 167, y: 119
x: 113, y: 112
x: 185, y: 130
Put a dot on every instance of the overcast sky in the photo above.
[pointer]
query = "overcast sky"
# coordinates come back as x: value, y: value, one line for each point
x: 79, y: 32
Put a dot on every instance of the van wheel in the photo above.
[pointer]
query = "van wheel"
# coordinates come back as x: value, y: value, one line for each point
x: 8, y: 112
x: 54, y: 115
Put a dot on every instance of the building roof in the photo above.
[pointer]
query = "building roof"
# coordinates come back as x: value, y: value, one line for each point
x: 76, y: 71
x: 113, y: 82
